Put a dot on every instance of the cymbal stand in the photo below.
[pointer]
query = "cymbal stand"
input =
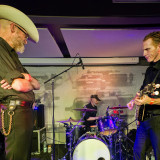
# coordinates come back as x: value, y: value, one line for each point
x: 120, y: 135
x: 110, y: 139
x: 70, y: 144
x: 120, y: 144
x: 71, y: 137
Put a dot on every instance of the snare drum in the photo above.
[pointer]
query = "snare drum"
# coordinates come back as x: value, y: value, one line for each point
x: 91, y: 148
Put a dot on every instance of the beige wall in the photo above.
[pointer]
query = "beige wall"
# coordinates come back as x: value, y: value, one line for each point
x: 115, y: 85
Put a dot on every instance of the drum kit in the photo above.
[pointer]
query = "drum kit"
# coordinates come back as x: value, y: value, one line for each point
x: 105, y: 141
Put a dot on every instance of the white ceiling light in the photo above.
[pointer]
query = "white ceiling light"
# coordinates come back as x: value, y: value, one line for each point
x: 86, y: 61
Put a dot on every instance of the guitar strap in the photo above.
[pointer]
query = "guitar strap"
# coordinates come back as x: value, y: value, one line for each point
x: 152, y: 84
x: 156, y: 76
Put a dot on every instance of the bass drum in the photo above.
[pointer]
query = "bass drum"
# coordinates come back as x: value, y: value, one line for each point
x: 91, y: 148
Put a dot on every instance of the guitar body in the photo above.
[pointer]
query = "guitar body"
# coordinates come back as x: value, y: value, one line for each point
x: 140, y: 110
x: 137, y: 115
x: 141, y: 113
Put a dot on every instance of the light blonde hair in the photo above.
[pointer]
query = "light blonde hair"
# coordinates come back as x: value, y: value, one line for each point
x: 155, y: 36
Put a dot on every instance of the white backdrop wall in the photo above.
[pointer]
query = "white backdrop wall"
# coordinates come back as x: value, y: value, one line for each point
x: 115, y: 85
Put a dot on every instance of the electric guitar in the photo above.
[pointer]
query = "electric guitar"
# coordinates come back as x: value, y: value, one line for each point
x: 149, y: 90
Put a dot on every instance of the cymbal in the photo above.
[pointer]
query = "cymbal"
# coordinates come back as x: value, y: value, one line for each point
x: 85, y: 109
x: 119, y: 107
x: 69, y: 120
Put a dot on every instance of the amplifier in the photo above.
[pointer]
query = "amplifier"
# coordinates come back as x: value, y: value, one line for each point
x: 39, y: 136
x: 39, y: 121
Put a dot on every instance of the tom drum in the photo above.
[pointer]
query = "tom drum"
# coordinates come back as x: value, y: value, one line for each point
x: 107, y: 125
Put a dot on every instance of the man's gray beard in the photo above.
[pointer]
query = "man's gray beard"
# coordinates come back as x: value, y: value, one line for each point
x: 20, y: 49
x: 18, y: 45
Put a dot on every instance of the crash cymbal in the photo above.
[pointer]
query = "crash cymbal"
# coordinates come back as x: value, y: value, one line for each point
x: 85, y: 109
x: 119, y: 107
x: 69, y: 120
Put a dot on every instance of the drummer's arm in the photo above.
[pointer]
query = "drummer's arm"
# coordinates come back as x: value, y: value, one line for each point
x: 92, y: 118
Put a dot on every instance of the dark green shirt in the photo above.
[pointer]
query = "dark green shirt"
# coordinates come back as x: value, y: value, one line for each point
x: 11, y: 68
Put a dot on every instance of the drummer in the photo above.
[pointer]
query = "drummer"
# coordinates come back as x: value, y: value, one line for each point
x: 90, y: 117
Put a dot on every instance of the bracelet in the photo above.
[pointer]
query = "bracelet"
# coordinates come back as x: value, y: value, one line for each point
x: 29, y: 78
x: 152, y: 101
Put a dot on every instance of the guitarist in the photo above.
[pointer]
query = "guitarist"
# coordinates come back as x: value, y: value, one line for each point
x: 148, y: 132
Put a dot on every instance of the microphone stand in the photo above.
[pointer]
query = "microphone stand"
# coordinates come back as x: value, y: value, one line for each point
x: 120, y: 135
x: 53, y: 78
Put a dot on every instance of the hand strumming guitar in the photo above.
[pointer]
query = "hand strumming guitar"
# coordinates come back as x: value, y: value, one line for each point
x: 142, y: 100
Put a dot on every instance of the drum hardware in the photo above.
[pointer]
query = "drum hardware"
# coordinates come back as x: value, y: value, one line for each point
x: 94, y: 129
x: 69, y: 141
x: 85, y: 110
x: 117, y: 112
x: 111, y: 145
x: 119, y: 107
x: 118, y: 148
x: 107, y: 127
x: 72, y: 138
x: 109, y: 130
x: 70, y: 120
x: 121, y: 145
x: 91, y: 134
x: 72, y: 135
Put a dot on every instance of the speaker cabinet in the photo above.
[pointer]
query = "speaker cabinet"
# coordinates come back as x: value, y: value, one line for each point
x: 39, y: 136
x: 39, y: 121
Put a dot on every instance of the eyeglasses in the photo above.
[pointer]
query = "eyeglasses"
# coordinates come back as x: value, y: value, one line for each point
x: 26, y: 34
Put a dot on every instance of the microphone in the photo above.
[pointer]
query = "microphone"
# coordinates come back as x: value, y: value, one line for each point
x: 80, y: 60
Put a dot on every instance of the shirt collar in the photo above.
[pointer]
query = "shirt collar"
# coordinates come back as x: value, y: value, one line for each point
x: 7, y: 47
x: 155, y: 64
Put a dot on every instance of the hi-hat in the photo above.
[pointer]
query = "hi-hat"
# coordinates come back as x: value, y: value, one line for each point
x: 119, y: 107
x: 85, y: 109
x: 69, y: 120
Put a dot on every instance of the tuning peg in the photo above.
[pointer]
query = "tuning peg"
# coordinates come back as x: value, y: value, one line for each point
x: 157, y: 85
x: 155, y: 93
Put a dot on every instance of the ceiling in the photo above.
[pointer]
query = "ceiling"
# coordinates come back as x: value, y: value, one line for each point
x: 102, y: 28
